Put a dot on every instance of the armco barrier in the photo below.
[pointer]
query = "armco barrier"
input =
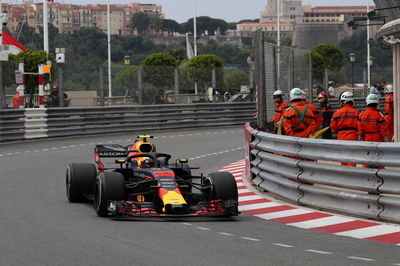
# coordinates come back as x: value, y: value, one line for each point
x: 308, y: 171
x: 60, y: 122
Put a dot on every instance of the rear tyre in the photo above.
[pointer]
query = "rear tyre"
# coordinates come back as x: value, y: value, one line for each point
x: 80, y: 178
x: 222, y: 186
x: 108, y: 186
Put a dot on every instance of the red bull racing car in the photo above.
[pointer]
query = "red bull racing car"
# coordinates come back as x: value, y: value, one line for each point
x: 146, y: 184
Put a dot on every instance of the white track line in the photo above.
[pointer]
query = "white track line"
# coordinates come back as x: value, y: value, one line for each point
x: 258, y: 206
x: 245, y: 198
x: 371, y: 231
x: 281, y: 214
x: 321, y: 222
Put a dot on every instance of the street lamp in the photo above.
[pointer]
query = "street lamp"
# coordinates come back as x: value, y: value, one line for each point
x: 127, y: 60
x: 352, y: 60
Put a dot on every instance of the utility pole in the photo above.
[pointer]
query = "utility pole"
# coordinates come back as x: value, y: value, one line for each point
x: 368, y: 51
x: 278, y: 58
x: 195, y: 27
x: 109, y: 52
x: 45, y: 28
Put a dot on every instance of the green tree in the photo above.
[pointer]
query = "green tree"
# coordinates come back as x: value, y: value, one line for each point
x: 236, y: 78
x: 140, y: 22
x: 126, y: 79
x: 200, y: 67
x: 180, y: 54
x: 326, y: 56
x: 170, y: 26
x: 32, y: 59
x: 158, y: 69
x: 205, y: 25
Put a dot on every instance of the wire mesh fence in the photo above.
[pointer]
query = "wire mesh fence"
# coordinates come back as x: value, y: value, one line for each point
x: 285, y: 68
x: 89, y: 85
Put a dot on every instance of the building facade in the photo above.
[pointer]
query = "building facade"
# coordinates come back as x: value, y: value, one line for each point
x: 301, y: 22
x: 69, y: 18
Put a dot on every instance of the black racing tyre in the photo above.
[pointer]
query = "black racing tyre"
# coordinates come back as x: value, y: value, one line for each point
x: 108, y: 186
x: 222, y: 186
x: 80, y: 178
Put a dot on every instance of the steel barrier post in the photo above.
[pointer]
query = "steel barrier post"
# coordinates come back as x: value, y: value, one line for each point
x: 41, y: 86
x: 21, y: 87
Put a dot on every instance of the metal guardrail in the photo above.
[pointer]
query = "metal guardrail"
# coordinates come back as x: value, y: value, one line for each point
x: 307, y: 171
x: 60, y: 122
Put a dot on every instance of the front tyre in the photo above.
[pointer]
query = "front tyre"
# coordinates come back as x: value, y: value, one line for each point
x: 221, y: 186
x: 80, y: 178
x: 108, y: 186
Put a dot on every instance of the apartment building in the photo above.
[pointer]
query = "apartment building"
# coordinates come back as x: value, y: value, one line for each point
x: 69, y: 18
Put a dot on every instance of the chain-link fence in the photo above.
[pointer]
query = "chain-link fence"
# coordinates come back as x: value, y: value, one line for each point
x: 282, y: 68
x: 88, y: 85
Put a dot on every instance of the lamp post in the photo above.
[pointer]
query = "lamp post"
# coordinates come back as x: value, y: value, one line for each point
x: 352, y: 60
x: 127, y: 60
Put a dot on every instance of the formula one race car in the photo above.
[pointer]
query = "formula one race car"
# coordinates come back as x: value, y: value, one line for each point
x: 145, y: 184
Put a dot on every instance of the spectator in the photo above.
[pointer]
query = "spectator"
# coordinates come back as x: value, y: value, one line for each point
x: 16, y: 99
x: 327, y: 113
x: 160, y: 98
x: 331, y: 89
x: 227, y: 96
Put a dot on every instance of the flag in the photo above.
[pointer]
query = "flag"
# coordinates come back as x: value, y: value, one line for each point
x: 14, y: 46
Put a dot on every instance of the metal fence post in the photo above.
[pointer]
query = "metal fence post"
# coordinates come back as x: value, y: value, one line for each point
x: 140, y: 86
x: 260, y: 79
x: 3, y: 102
x: 101, y: 85
x: 60, y: 85
x: 214, y: 78
x: 176, y: 84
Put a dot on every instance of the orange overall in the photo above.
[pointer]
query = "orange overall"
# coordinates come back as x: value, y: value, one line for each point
x: 345, y: 123
x: 299, y: 120
x: 279, y: 108
x: 319, y: 119
x: 372, y: 125
x: 389, y: 115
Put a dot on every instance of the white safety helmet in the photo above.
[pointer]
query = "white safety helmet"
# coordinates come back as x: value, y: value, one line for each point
x: 347, y: 97
x: 278, y: 93
x: 389, y: 89
x: 296, y: 94
x: 372, y: 98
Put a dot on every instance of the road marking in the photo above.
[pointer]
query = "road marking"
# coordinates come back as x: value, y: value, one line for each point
x: 280, y: 214
x: 258, y: 206
x: 203, y: 228
x: 321, y: 222
x: 371, y: 231
x: 251, y: 239
x: 319, y: 251
x: 360, y: 258
x: 282, y: 245
x: 225, y: 234
x: 186, y: 223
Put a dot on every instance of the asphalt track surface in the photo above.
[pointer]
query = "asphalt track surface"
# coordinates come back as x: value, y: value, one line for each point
x: 38, y: 226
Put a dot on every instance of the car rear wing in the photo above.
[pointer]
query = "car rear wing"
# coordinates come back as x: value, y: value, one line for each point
x: 112, y: 150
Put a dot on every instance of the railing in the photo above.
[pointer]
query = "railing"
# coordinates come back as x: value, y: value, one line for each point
x: 60, y: 122
x: 308, y: 172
